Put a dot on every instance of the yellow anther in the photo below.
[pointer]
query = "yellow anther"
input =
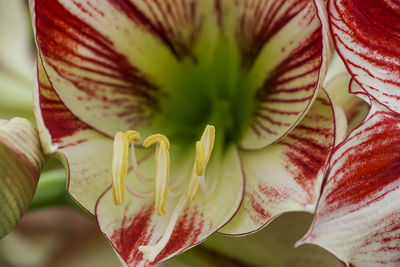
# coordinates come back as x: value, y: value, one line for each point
x: 156, y: 139
x: 208, y: 139
x: 119, y: 167
x: 161, y: 171
x: 133, y: 136
x: 204, y: 148
x: 200, y: 159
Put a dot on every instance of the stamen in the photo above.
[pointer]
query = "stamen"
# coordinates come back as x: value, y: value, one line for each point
x: 150, y: 252
x: 203, y: 152
x: 133, y: 136
x: 208, y: 139
x: 135, y: 168
x: 120, y: 163
x: 161, y: 170
x: 200, y: 159
x: 119, y: 168
x: 156, y: 139
x: 137, y: 193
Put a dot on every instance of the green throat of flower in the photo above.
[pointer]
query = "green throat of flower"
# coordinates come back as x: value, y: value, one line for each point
x: 215, y: 89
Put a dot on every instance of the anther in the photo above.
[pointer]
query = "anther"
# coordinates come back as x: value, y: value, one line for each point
x: 119, y: 167
x: 120, y: 163
x: 204, y: 148
x: 200, y: 159
x: 133, y: 136
x: 156, y: 139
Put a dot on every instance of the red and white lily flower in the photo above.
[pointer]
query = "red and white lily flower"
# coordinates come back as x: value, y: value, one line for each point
x: 228, y: 92
x: 358, y: 215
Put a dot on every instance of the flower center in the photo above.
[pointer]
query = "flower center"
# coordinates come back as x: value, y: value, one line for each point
x: 160, y: 182
x: 215, y: 88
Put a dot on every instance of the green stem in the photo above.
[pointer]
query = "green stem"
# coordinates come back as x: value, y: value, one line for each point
x: 51, y: 191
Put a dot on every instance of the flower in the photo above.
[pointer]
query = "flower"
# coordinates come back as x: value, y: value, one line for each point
x: 21, y: 160
x: 357, y: 217
x: 228, y: 92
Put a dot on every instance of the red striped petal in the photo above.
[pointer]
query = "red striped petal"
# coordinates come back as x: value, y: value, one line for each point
x: 286, y: 176
x: 367, y: 36
x: 102, y: 57
x: 86, y: 153
x: 358, y: 216
x: 289, y: 45
x: 135, y: 223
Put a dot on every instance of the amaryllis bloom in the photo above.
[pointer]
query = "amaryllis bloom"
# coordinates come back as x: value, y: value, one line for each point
x: 21, y: 160
x: 176, y: 119
x: 358, y: 215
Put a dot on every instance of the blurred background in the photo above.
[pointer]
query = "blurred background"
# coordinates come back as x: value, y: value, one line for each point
x: 63, y: 235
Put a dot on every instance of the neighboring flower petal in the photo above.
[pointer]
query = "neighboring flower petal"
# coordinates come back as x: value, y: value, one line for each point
x: 337, y: 85
x: 286, y: 176
x: 85, y: 152
x: 105, y: 58
x: 367, y: 36
x: 358, y: 217
x: 21, y: 160
x: 290, y: 46
x: 135, y: 223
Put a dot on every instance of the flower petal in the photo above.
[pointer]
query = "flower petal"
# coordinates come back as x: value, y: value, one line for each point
x: 272, y: 246
x: 367, y: 36
x: 337, y: 85
x: 358, y: 216
x: 288, y: 46
x: 135, y: 223
x: 86, y: 154
x: 103, y: 57
x: 21, y: 160
x: 286, y: 176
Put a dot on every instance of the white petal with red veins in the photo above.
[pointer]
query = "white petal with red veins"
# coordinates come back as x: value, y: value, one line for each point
x: 287, y: 46
x: 358, y: 215
x: 136, y: 224
x: 85, y: 153
x: 286, y: 176
x: 367, y: 36
x: 105, y: 59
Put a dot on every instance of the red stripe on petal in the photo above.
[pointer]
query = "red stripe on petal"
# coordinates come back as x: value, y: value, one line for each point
x: 290, y: 86
x: 176, y: 23
x: 309, y: 147
x: 367, y: 36
x: 132, y: 234
x: 359, y: 203
x: 86, y: 63
x: 260, y: 21
x: 287, y: 176
x: 59, y: 121
x: 380, y: 164
x: 186, y: 233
